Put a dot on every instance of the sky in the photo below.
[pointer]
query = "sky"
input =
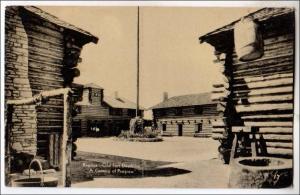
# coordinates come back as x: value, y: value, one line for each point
x: 171, y: 57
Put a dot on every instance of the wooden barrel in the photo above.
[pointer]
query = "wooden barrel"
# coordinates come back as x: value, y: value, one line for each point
x: 248, y: 40
x: 260, y: 172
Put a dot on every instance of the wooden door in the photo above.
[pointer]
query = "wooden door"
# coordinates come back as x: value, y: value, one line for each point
x: 179, y: 129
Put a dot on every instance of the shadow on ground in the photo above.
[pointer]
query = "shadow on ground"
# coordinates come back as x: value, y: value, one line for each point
x: 87, y: 166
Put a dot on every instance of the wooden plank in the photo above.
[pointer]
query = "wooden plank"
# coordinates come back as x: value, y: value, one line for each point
x: 264, y: 107
x: 218, y: 130
x: 233, y: 149
x: 56, y: 149
x: 267, y: 98
x: 279, y: 39
x: 279, y: 145
x: 269, y: 83
x: 263, y: 60
x: 267, y: 116
x: 278, y: 137
x: 51, y: 147
x: 279, y: 151
x: 276, y: 130
x: 217, y: 136
x: 269, y: 124
x: 264, y: 91
x: 236, y: 129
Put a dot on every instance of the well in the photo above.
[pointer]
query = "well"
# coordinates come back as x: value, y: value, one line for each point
x: 261, y: 172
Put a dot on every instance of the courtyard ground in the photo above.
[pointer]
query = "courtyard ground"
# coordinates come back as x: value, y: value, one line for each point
x: 194, y: 160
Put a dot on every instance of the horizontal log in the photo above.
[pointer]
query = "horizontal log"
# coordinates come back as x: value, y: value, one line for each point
x: 218, y: 130
x: 267, y: 98
x: 266, y: 91
x: 277, y: 137
x: 218, y: 123
x: 276, y: 130
x: 45, y: 38
x: 284, y: 67
x: 264, y: 78
x: 279, y: 39
x: 236, y: 129
x: 264, y: 107
x: 256, y: 69
x: 262, y: 60
x: 268, y: 124
x: 278, y: 151
x: 279, y: 145
x: 267, y: 83
x: 47, y: 52
x: 217, y: 136
x: 268, y: 116
x: 45, y: 28
x: 40, y: 96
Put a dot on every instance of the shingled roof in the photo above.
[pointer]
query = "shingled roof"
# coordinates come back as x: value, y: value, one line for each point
x: 259, y: 15
x: 120, y: 102
x: 53, y: 19
x: 185, y: 100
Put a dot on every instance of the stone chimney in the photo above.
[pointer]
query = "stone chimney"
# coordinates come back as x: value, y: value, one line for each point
x: 23, y: 135
x: 116, y: 94
x: 165, y: 96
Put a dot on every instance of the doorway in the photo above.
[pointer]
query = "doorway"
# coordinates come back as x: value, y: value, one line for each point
x: 179, y: 129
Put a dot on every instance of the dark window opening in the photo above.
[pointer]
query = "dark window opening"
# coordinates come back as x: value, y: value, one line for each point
x: 199, y: 128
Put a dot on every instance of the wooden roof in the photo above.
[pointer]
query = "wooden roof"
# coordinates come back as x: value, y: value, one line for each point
x: 185, y: 100
x: 53, y: 19
x: 120, y: 102
x: 224, y: 35
x: 92, y: 85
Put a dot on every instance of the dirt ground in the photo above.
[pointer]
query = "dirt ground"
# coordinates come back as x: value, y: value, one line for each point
x: 197, y: 156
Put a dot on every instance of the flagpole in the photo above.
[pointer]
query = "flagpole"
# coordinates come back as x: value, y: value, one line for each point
x: 138, y: 63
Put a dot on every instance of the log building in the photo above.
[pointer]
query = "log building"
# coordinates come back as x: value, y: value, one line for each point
x: 186, y: 115
x: 41, y: 55
x: 101, y: 114
x: 256, y: 95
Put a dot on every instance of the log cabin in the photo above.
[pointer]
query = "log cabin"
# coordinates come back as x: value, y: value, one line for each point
x: 41, y: 55
x: 257, y: 62
x: 185, y: 115
x: 101, y: 114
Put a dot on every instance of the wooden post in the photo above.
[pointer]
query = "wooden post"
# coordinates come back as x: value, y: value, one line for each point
x: 138, y: 63
x: 8, y: 128
x: 233, y: 148
x: 65, y: 152
x: 253, y: 146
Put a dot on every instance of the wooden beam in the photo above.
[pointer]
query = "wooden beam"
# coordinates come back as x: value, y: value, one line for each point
x: 264, y: 107
x: 267, y: 98
x: 40, y: 96
x: 280, y: 151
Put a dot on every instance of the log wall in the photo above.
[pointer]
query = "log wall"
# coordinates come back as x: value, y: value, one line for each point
x: 46, y: 54
x: 189, y: 120
x: 263, y: 89
x: 264, y: 92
